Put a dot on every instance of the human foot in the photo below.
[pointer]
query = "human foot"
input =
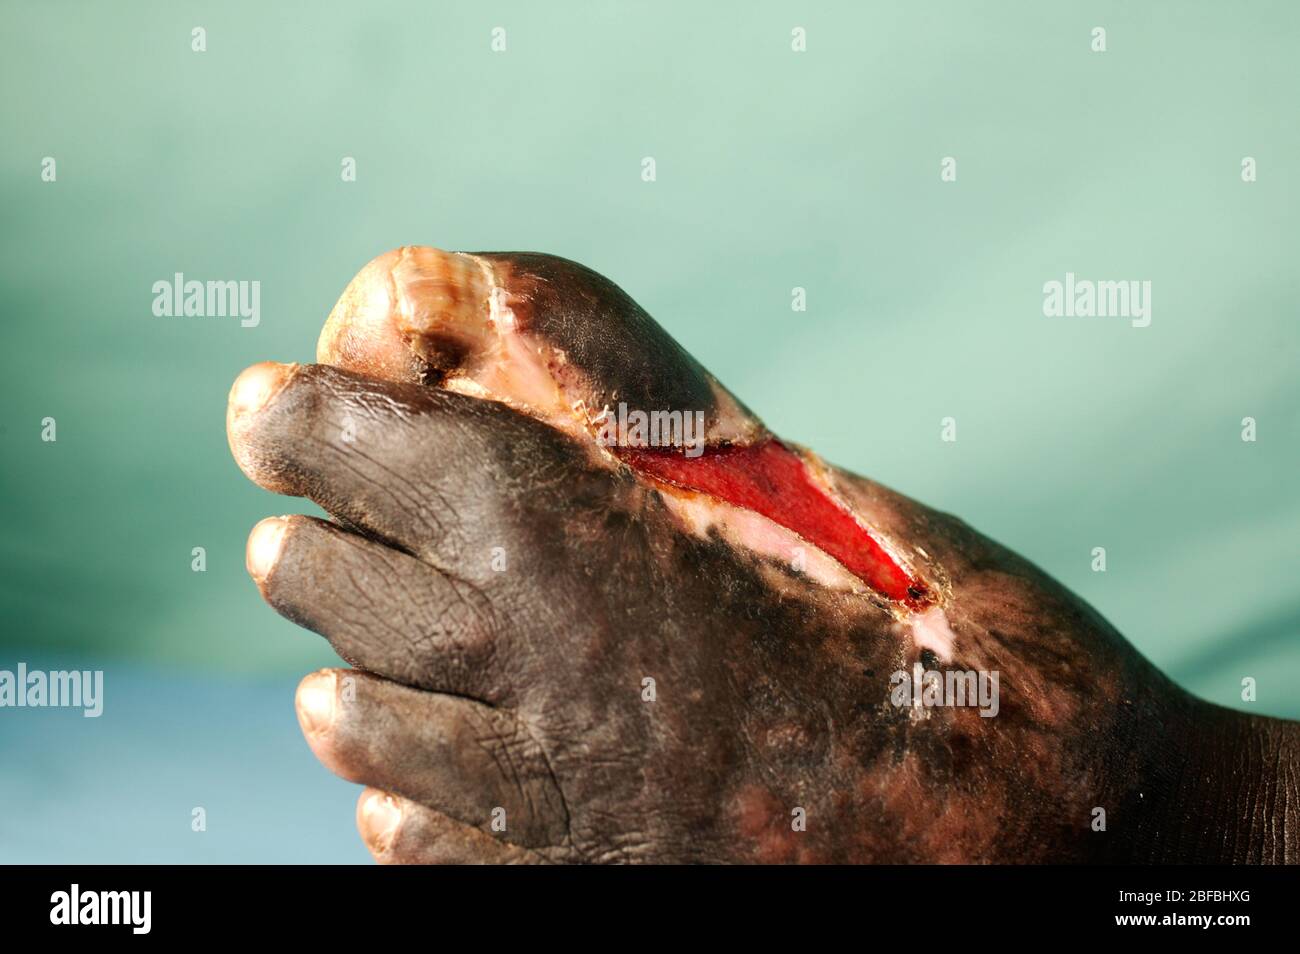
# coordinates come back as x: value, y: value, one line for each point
x: 516, y: 581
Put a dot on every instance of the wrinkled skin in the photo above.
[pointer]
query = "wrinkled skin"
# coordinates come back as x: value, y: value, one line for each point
x: 506, y: 588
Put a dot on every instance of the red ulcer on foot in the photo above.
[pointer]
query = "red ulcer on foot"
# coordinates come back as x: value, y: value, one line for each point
x: 772, y: 480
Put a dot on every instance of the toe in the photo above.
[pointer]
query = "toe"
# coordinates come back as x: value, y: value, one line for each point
x: 399, y: 831
x: 381, y: 609
x: 470, y: 761
x: 419, y: 467
x: 537, y: 332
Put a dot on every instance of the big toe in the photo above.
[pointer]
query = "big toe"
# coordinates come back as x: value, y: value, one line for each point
x: 540, y: 333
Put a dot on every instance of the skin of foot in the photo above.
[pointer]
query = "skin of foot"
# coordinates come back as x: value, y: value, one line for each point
x: 572, y: 648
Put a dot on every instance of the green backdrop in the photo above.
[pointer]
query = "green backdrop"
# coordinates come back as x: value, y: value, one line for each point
x: 775, y: 169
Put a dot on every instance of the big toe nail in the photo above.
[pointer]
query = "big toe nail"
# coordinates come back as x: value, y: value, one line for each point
x: 412, y: 314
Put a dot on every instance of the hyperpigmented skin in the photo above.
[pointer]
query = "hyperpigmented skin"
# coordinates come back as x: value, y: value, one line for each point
x: 474, y: 382
x: 472, y: 325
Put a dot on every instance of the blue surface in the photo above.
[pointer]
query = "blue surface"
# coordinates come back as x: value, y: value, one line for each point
x: 121, y: 788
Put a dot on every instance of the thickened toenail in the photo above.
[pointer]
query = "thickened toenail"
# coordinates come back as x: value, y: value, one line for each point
x: 379, y: 817
x: 256, y: 386
x: 316, y: 703
x: 264, y: 545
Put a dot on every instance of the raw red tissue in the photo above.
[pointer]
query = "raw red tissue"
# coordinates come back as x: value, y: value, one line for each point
x: 772, y: 480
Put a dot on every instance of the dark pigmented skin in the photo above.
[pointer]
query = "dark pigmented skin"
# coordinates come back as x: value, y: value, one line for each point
x: 522, y: 688
x: 603, y: 332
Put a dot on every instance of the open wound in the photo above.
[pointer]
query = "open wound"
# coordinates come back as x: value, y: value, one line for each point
x: 770, y: 479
